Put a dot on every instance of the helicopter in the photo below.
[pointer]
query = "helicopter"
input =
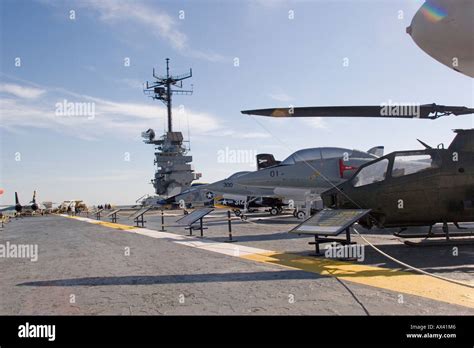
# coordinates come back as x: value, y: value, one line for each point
x: 418, y: 187
x: 413, y: 188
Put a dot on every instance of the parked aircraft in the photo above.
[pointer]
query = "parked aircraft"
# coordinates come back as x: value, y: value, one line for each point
x: 32, y: 206
x: 295, y: 182
x: 413, y: 188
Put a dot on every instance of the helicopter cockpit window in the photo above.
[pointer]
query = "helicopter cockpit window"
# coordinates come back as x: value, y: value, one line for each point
x: 372, y: 173
x: 410, y: 164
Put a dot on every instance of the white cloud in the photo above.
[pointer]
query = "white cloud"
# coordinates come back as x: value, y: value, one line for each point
x: 161, y: 24
x: 210, y: 56
x: 151, y: 19
x: 21, y: 91
x: 281, y: 97
x: 121, y: 119
x: 132, y: 83
x: 242, y: 134
x: 255, y: 135
x: 315, y: 122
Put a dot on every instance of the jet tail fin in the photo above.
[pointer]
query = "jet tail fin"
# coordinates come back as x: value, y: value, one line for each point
x: 17, y: 201
x: 377, y: 151
x: 265, y: 160
x: 34, y: 197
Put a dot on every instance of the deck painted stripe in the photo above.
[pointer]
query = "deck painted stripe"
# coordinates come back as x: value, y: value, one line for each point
x: 383, y: 278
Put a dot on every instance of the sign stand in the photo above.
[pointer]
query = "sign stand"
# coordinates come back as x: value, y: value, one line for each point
x: 327, y: 224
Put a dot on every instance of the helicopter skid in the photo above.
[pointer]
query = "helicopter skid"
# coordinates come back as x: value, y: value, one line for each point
x: 440, y: 242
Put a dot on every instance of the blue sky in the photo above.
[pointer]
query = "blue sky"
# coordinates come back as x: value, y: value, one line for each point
x: 282, y: 62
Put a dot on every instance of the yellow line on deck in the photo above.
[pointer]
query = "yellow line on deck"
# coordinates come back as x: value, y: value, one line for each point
x: 115, y: 225
x: 109, y: 224
x: 384, y: 278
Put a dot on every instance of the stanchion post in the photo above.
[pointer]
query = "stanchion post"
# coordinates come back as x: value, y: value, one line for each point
x: 229, y: 223
x: 162, y: 220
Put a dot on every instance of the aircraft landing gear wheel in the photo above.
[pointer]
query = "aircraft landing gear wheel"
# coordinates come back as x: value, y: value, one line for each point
x: 237, y: 212
x: 300, y: 215
x: 243, y: 217
x: 273, y: 211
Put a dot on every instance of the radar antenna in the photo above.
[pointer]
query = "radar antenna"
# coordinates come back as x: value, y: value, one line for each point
x: 161, y: 89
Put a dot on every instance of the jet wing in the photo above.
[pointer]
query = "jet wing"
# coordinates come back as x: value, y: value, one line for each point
x: 427, y: 111
x: 11, y: 207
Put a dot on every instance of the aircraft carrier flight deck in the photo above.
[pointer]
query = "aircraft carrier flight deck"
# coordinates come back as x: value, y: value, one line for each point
x: 90, y: 266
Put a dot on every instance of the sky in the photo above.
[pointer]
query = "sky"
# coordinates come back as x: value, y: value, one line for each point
x: 244, y: 55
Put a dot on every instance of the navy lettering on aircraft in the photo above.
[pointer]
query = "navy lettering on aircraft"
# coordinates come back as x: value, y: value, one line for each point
x: 275, y: 173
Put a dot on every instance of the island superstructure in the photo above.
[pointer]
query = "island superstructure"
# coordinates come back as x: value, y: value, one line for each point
x: 174, y: 172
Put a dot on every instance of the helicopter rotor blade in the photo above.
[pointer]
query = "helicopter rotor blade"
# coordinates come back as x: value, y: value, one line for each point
x: 427, y: 111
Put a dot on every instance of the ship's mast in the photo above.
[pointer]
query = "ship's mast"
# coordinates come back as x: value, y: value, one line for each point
x: 168, y: 93
x: 161, y: 89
